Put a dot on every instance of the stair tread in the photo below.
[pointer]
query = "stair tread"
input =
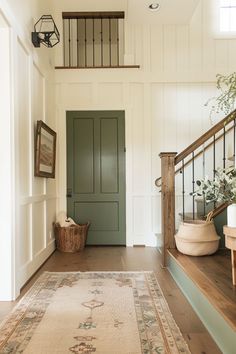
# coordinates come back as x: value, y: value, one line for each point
x: 217, y: 288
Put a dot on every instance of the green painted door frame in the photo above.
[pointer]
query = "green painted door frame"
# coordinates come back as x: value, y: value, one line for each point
x: 96, y: 174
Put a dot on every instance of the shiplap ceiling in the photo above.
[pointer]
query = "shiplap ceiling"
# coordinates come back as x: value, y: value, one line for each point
x: 170, y: 12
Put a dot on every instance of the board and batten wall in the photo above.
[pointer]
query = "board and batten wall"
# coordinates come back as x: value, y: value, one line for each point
x: 163, y: 101
x: 32, y: 208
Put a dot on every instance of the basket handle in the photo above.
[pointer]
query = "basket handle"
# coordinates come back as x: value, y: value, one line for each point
x: 209, y: 216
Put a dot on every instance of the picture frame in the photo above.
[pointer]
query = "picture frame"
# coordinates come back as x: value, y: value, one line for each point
x: 45, y: 151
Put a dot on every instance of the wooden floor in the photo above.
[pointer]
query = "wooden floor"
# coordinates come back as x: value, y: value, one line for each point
x: 213, y: 275
x: 132, y: 259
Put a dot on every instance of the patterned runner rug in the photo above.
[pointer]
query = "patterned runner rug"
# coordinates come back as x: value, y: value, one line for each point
x: 102, y: 313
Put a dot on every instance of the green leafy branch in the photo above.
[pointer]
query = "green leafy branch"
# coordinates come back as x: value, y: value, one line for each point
x: 221, y: 189
x: 226, y: 100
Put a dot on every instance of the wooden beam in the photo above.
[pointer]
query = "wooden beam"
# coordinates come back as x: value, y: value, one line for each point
x: 94, y: 14
x: 99, y: 67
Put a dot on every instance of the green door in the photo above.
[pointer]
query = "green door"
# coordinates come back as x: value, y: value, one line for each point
x: 96, y: 174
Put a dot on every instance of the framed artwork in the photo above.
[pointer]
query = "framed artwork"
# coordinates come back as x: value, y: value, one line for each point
x: 45, y: 151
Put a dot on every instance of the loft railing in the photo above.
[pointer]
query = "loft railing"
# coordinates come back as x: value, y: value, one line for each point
x: 93, y: 39
x: 179, y: 173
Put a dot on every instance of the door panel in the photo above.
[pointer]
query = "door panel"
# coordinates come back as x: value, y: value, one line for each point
x: 96, y: 173
x: 109, y: 156
x: 105, y: 215
x: 83, y: 140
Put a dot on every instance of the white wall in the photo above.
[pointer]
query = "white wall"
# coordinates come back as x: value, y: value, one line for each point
x: 31, y: 98
x: 164, y: 107
x: 163, y: 100
x: 6, y: 177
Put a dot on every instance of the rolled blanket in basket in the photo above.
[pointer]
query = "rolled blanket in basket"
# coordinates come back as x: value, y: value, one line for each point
x: 63, y: 220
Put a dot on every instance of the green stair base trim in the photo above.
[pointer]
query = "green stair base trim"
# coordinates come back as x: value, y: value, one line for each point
x: 222, y: 333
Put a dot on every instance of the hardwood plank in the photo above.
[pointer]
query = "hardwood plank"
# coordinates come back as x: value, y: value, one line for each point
x: 218, y: 269
x: 132, y: 259
x: 198, y: 340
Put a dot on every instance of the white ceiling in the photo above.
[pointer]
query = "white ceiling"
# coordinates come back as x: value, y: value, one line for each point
x: 136, y: 11
x: 170, y: 11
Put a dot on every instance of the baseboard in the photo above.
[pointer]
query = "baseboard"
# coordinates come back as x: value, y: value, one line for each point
x: 26, y: 272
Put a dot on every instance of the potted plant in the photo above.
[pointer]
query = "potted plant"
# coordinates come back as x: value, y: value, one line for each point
x: 221, y: 189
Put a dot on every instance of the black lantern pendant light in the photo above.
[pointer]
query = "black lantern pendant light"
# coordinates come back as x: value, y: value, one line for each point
x: 45, y: 32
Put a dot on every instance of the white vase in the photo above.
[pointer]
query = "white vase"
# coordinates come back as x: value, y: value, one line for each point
x: 231, y: 215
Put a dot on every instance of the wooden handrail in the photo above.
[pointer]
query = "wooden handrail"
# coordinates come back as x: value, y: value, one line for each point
x: 210, y: 133
x: 158, y: 180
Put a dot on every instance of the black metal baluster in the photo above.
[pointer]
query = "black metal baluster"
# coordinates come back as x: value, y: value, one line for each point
x: 110, y: 40
x: 224, y: 158
x: 101, y: 43
x: 203, y: 169
x: 118, y: 43
x: 69, y: 45
x: 93, y: 45
x: 193, y: 187
x: 204, y: 205
x: 85, y: 41
x: 77, y: 23
x: 64, y: 39
x: 183, y: 191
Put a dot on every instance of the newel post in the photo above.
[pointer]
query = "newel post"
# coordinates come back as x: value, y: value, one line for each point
x: 167, y: 202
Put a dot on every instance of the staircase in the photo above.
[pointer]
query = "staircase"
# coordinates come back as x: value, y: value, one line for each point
x: 205, y: 281
x: 179, y: 173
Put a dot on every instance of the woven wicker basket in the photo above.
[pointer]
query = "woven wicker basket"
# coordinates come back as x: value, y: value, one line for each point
x: 197, y: 237
x: 197, y: 230
x: 72, y: 238
x: 196, y: 247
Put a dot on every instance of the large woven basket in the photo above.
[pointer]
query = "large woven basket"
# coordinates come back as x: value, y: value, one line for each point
x: 197, y: 230
x: 196, y: 247
x: 72, y: 238
x: 197, y: 237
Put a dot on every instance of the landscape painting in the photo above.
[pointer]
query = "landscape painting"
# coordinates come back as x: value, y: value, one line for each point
x: 45, y: 152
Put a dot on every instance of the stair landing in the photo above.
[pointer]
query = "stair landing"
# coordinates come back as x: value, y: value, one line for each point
x: 213, y: 276
x: 207, y: 283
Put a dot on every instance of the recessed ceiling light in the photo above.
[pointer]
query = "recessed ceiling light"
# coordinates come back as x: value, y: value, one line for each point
x: 154, y: 6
